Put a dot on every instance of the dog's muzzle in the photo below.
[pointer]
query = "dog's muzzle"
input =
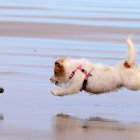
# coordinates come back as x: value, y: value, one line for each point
x: 53, y: 80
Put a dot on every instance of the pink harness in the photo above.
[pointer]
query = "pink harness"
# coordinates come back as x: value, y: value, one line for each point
x: 87, y: 74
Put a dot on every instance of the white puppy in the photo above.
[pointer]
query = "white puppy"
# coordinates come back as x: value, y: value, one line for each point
x: 80, y: 74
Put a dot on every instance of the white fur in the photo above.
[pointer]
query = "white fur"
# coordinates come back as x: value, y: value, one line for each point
x: 131, y: 51
x: 104, y: 78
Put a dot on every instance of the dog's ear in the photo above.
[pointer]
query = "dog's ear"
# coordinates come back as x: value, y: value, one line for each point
x: 58, y: 64
x: 59, y: 67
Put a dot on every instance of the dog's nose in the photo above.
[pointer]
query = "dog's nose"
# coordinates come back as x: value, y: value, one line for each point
x: 51, y: 79
x: 56, y: 82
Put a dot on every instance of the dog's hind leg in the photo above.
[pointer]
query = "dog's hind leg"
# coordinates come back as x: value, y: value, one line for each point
x: 132, y: 80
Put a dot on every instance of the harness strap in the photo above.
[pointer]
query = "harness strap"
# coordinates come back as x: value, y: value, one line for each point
x: 86, y: 75
x: 74, y: 71
x: 85, y: 80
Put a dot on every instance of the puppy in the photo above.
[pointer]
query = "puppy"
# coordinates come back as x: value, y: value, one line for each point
x: 80, y: 74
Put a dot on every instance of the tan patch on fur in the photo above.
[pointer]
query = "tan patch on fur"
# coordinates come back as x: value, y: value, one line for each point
x: 59, y: 70
x: 127, y: 65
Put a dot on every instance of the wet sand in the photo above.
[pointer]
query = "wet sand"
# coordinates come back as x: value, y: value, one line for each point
x: 32, y: 35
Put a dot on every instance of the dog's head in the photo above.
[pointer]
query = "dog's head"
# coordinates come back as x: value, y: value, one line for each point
x: 59, y: 76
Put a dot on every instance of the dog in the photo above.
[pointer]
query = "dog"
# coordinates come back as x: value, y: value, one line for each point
x: 76, y: 75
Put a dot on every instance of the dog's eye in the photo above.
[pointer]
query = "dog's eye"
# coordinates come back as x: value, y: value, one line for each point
x: 55, y: 73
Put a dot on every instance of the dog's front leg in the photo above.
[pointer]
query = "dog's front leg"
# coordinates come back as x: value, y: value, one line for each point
x: 73, y: 88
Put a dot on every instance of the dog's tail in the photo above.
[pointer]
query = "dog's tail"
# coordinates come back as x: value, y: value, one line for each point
x: 131, y: 53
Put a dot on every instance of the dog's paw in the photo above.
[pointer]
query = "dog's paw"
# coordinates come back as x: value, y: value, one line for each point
x: 55, y: 93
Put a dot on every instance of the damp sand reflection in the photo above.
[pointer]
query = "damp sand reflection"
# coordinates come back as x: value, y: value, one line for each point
x: 70, y: 127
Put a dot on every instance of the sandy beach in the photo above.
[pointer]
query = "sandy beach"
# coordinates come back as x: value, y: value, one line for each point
x: 33, y: 34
